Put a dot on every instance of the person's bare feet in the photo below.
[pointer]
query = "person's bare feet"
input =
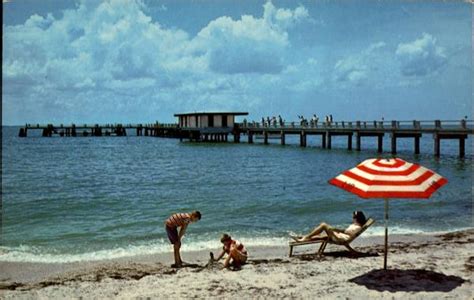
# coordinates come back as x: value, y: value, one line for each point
x: 295, y: 237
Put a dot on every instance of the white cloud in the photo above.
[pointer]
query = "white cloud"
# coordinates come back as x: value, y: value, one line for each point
x: 249, y: 45
x: 351, y: 69
x: 421, y: 57
x: 303, y: 77
x: 103, y: 53
x: 358, y: 67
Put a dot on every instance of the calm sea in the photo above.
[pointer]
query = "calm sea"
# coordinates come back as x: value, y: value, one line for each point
x: 72, y: 199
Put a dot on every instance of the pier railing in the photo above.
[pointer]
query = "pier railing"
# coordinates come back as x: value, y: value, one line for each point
x: 376, y: 125
x: 107, y: 125
x: 412, y: 124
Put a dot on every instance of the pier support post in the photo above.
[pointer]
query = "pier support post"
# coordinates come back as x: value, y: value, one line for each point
x: 358, y: 141
x: 394, y: 143
x: 265, y: 137
x: 329, y: 139
x: 282, y: 135
x: 379, y: 144
x: 303, y: 139
x: 236, y: 137
x: 97, y: 131
x: 437, y: 145
x: 250, y: 136
x: 22, y: 132
x: 462, y: 145
x: 349, y: 141
x: 417, y: 145
x: 323, y: 141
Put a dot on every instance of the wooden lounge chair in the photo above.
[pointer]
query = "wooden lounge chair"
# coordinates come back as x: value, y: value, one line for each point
x: 326, y: 240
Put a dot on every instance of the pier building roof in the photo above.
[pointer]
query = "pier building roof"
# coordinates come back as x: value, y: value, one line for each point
x: 212, y: 113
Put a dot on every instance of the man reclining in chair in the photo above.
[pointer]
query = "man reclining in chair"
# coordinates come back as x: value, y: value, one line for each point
x: 337, y: 235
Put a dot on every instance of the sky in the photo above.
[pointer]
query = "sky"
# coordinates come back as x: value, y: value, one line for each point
x: 126, y: 61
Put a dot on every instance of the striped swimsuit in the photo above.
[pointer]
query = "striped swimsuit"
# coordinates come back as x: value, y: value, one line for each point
x: 178, y: 220
x: 172, y: 224
x: 238, y: 245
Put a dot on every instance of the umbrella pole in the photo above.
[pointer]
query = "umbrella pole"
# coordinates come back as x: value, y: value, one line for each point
x: 386, y: 235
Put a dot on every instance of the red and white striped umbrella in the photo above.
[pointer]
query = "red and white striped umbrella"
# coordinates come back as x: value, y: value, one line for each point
x: 389, y: 178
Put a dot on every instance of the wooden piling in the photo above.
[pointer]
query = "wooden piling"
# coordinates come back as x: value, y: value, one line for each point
x: 329, y: 140
x: 462, y: 145
x: 282, y: 137
x: 302, y: 138
x: 22, y: 132
x: 250, y: 136
x: 265, y: 137
x: 417, y: 145
x: 379, y: 144
x: 394, y: 142
x: 349, y: 142
x: 358, y: 140
x: 437, y: 145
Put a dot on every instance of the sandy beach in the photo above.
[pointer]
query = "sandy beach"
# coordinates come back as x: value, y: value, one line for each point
x: 420, y: 266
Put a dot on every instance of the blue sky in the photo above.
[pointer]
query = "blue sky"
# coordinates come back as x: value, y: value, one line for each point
x: 143, y: 61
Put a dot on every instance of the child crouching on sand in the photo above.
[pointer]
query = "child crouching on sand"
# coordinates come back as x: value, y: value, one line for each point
x: 236, y: 253
x: 182, y: 221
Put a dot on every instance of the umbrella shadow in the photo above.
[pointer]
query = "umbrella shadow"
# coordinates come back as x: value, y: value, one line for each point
x: 335, y: 254
x: 415, y: 280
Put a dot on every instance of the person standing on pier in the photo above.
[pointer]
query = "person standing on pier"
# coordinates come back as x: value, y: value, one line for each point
x: 280, y: 120
x: 181, y: 220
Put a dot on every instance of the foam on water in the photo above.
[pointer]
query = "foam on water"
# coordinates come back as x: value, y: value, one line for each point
x: 161, y: 246
x: 36, y: 255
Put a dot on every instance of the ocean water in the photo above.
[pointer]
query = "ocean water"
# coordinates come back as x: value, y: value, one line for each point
x: 88, y: 198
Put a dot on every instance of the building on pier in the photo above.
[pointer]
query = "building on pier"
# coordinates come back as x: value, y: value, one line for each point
x: 209, y: 126
x: 203, y: 120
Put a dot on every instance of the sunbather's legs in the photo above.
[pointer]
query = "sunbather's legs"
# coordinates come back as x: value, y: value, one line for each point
x: 323, y: 227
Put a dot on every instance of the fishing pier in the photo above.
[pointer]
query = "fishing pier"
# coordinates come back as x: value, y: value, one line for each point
x: 219, y: 126
x: 440, y: 130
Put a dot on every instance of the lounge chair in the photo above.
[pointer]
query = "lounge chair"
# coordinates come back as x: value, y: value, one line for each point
x: 326, y: 240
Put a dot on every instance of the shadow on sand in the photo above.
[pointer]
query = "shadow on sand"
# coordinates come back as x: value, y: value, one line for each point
x: 408, y: 281
x: 335, y: 254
